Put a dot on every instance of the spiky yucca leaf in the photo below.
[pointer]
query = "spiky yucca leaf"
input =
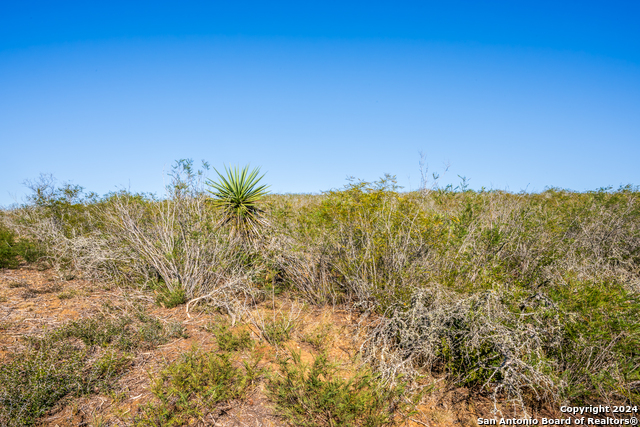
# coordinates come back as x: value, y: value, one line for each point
x: 237, y: 194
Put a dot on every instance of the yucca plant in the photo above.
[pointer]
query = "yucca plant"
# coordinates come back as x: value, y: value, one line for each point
x: 237, y: 193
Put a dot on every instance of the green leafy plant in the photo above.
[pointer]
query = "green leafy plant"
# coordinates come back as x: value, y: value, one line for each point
x: 317, y: 395
x: 170, y: 298
x: 125, y: 333
x: 68, y: 294
x: 277, y: 331
x: 229, y: 341
x: 76, y: 359
x: 195, y: 385
x: 13, y: 249
x: 237, y: 194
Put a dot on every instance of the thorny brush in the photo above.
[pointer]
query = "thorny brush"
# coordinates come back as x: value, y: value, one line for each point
x: 556, y: 259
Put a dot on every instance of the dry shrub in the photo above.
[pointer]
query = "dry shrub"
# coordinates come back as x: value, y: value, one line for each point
x: 604, y: 243
x: 177, y: 238
x: 304, y: 268
x: 69, y: 237
x: 538, y: 295
x: 277, y: 327
x: 355, y: 245
x: 173, y: 244
x: 96, y: 255
x: 476, y: 340
x: 377, y: 249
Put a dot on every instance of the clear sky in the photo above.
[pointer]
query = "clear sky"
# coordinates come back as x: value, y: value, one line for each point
x: 512, y: 94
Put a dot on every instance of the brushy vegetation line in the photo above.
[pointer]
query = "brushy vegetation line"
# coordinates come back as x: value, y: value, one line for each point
x: 529, y: 296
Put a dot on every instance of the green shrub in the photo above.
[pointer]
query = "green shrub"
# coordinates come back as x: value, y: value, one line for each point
x: 170, y: 298
x: 318, y: 337
x: 228, y: 341
x: 277, y: 331
x: 34, y: 381
x: 599, y: 354
x: 107, y: 368
x: 194, y: 386
x: 13, y: 250
x: 318, y: 395
x: 124, y: 332
x: 52, y: 367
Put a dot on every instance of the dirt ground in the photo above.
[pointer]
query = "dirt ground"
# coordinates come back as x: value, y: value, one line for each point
x: 32, y: 302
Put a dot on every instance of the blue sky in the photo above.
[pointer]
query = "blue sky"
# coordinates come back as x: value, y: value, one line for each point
x: 513, y: 95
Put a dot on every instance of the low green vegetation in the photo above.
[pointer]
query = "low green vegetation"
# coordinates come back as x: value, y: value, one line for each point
x: 319, y: 395
x: 196, y: 385
x: 176, y: 330
x: 67, y: 294
x: 170, y: 298
x: 13, y: 249
x: 278, y: 330
x: 76, y: 359
x: 124, y: 332
x: 228, y: 340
